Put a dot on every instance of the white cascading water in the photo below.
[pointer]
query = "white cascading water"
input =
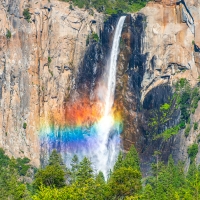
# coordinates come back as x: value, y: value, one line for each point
x: 109, y: 143
x: 113, y: 66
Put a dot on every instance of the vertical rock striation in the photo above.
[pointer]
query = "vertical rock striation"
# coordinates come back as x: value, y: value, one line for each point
x: 38, y: 65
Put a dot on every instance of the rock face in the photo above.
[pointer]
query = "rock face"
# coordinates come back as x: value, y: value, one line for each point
x: 37, y: 66
x: 46, y: 61
x: 160, y: 47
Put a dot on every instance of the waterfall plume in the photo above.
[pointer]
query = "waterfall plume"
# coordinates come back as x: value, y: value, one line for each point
x: 89, y: 130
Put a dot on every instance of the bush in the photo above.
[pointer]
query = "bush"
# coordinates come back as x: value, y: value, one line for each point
x: 187, y: 131
x: 8, y: 34
x: 27, y: 14
x: 22, y: 165
x: 49, y: 60
x: 95, y: 37
x: 195, y: 126
x: 24, y: 125
x: 182, y: 124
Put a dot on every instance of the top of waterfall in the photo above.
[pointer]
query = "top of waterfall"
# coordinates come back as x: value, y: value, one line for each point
x: 112, y: 65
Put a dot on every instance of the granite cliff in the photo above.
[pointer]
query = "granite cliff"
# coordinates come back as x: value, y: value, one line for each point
x: 46, y: 63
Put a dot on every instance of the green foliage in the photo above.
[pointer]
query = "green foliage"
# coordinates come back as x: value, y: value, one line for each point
x: 27, y: 14
x: 168, y: 181
x: 10, y: 186
x: 49, y: 60
x: 52, y: 175
x: 55, y: 158
x: 24, y: 125
x: 110, y: 7
x: 8, y: 34
x: 165, y: 182
x: 95, y: 37
x: 131, y: 159
x: 23, y: 166
x: 84, y: 171
x: 165, y: 107
x: 125, y: 182
x: 195, y: 126
x: 185, y: 98
x: 168, y: 133
x: 187, y: 131
x: 192, y: 151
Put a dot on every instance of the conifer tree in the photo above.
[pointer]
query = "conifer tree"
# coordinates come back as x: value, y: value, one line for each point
x: 55, y: 159
x: 74, y: 168
x: 52, y: 175
x: 119, y: 162
x: 85, y: 171
x: 132, y: 159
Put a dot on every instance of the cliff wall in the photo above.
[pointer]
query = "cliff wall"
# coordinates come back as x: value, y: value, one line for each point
x: 48, y: 61
x: 37, y: 66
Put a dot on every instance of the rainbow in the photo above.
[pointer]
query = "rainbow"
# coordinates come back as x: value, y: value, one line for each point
x: 75, y: 129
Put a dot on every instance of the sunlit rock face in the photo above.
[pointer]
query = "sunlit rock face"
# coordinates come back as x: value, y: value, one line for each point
x: 31, y: 85
x: 157, y: 49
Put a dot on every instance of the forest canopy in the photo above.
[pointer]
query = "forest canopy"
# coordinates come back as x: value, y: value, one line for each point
x: 55, y: 181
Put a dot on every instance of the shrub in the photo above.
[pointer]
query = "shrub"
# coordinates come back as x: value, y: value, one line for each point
x: 182, y: 124
x: 169, y: 132
x: 27, y: 14
x: 193, y: 43
x: 49, y: 60
x: 24, y: 125
x: 165, y: 107
x: 8, y: 34
x: 95, y: 37
x: 22, y: 165
x: 187, y: 131
x: 195, y: 126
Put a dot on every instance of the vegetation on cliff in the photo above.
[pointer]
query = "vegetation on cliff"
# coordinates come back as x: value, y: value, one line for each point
x: 185, y: 98
x: 109, y: 6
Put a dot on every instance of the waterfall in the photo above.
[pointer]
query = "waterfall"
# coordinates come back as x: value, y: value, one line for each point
x: 112, y: 66
x: 108, y: 132
x: 92, y: 132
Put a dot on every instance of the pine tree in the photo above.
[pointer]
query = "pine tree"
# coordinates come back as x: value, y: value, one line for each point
x: 74, y: 169
x: 100, y: 178
x: 132, y: 159
x: 85, y: 171
x: 119, y: 162
x: 148, y: 193
x: 52, y: 175
x: 55, y: 159
x: 125, y: 182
